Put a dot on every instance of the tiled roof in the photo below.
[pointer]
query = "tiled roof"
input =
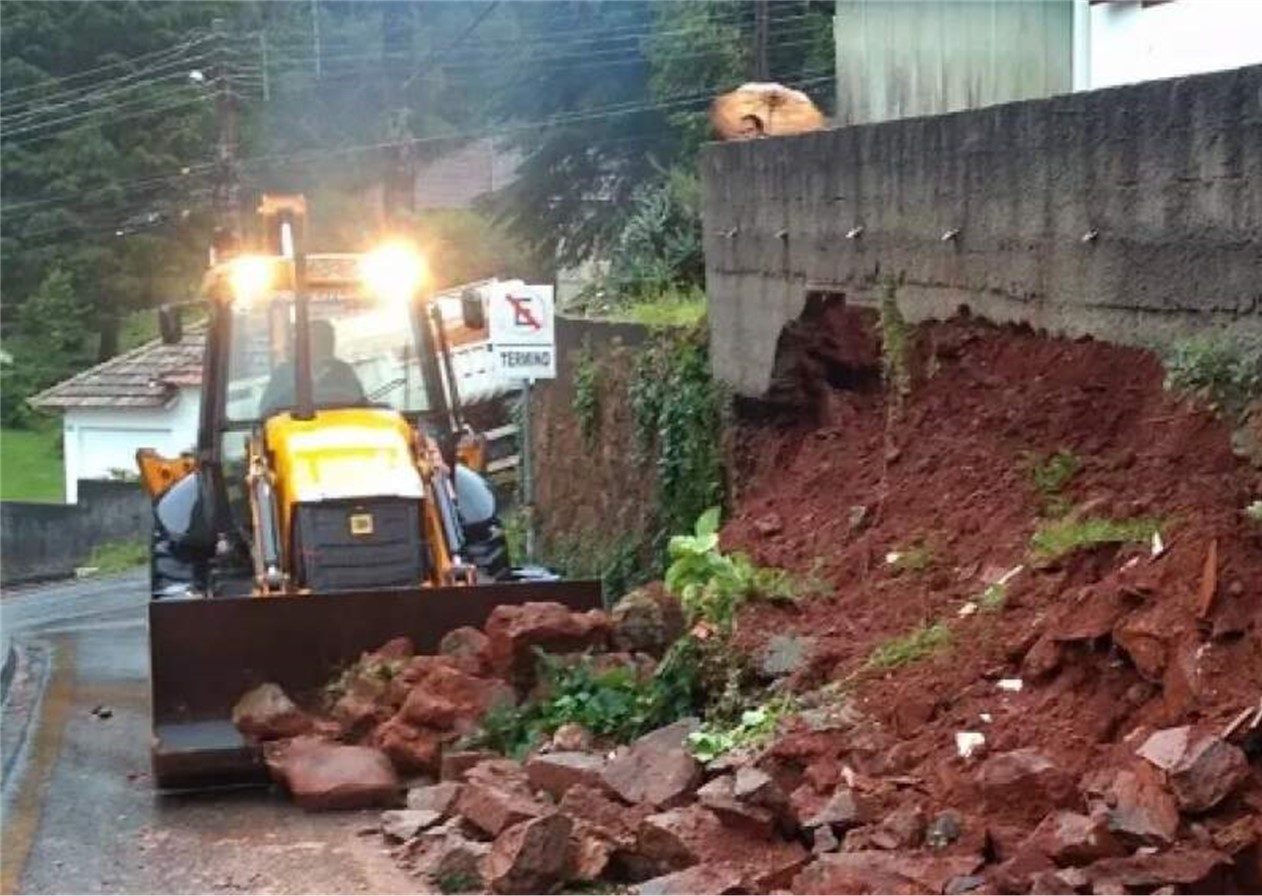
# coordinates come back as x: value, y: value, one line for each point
x: 144, y: 377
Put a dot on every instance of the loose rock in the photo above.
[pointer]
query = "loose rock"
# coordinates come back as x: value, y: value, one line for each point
x: 266, y: 713
x: 469, y: 648
x: 1068, y: 838
x: 530, y: 856
x: 493, y: 810
x: 715, y: 877
x: 555, y: 773
x: 1023, y: 782
x: 1201, y: 768
x: 321, y: 775
x: 440, y: 798
x: 515, y: 631
x: 1142, y: 808
x: 882, y: 872
x: 404, y: 824
x: 657, y: 768
x: 647, y: 619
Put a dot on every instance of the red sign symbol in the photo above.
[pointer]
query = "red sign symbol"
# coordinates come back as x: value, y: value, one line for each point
x: 523, y: 315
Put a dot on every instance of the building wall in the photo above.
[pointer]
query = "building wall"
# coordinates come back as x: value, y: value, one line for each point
x: 1131, y: 41
x: 902, y: 58
x: 1167, y: 173
x: 98, y: 440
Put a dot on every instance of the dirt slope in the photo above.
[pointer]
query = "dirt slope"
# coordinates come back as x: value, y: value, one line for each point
x: 1110, y: 643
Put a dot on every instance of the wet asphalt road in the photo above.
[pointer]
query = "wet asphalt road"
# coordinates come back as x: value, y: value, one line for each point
x: 79, y: 811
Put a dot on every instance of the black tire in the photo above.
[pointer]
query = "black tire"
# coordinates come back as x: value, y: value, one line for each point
x: 486, y: 547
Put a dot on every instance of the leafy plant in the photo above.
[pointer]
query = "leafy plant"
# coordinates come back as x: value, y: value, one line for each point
x: 895, y: 344
x: 1050, y: 476
x: 910, y: 648
x: 754, y: 727
x: 1059, y: 538
x: 1254, y: 511
x: 587, y: 389
x: 1220, y: 368
x: 613, y: 702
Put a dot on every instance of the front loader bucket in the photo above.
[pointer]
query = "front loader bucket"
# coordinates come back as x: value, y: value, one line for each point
x: 205, y: 653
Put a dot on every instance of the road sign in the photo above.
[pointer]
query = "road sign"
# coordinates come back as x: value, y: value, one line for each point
x: 521, y: 330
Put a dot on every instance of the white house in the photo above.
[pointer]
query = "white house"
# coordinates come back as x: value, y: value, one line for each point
x: 907, y: 58
x: 146, y: 398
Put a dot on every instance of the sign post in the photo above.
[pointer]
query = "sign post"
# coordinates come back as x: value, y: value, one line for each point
x: 523, y: 336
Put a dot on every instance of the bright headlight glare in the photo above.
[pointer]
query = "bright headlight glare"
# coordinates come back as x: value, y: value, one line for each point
x: 393, y: 272
x: 251, y: 276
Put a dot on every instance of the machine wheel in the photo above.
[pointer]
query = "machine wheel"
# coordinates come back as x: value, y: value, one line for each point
x: 487, y: 548
x: 169, y: 574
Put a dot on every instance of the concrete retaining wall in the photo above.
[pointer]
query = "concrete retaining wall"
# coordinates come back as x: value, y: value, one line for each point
x: 44, y: 541
x: 1167, y: 174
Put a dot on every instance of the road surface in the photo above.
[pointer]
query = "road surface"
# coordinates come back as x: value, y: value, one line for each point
x: 79, y: 811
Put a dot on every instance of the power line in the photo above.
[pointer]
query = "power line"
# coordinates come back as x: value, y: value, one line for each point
x: 93, y: 121
x: 144, y: 57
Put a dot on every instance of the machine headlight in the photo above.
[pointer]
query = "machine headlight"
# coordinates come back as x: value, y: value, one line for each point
x: 393, y: 272
x: 251, y: 277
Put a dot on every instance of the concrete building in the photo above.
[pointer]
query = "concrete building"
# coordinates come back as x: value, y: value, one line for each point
x: 907, y: 58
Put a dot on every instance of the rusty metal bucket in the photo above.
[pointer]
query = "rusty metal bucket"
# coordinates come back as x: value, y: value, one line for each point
x: 205, y: 653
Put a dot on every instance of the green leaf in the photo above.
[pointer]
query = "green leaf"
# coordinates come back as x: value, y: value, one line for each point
x: 708, y: 525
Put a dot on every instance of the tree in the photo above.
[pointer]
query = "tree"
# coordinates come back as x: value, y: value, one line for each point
x: 52, y: 341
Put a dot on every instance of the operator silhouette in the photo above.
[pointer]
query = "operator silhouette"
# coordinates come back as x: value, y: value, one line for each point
x: 333, y: 381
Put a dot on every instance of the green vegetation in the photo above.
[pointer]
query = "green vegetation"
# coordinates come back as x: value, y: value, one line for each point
x: 587, y: 389
x: 754, y: 728
x: 611, y: 702
x: 1050, y: 476
x: 916, y: 558
x: 712, y: 585
x: 459, y: 882
x: 118, y: 556
x: 895, y: 344
x: 678, y: 411
x: 674, y: 308
x: 1058, y: 538
x: 910, y: 648
x: 31, y: 467
x: 1220, y: 368
x: 1254, y: 511
x: 993, y: 598
x: 617, y: 561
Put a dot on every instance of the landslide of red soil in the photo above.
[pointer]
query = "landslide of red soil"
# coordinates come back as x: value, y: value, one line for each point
x: 950, y: 472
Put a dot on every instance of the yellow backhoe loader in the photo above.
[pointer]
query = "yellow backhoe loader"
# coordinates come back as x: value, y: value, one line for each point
x: 333, y: 501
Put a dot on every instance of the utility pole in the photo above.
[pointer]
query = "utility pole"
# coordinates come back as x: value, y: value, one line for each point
x: 227, y: 190
x: 315, y: 36
x: 267, y: 93
x: 762, y: 72
x: 398, y: 182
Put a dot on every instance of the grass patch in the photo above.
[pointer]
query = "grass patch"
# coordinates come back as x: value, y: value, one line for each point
x: 1058, y: 538
x: 687, y: 311
x: 910, y: 648
x: 993, y: 598
x: 1050, y: 475
x: 1219, y: 367
x: 31, y: 468
x: 119, y: 556
x: 916, y: 558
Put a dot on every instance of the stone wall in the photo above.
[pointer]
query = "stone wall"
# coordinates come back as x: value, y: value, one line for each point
x: 1133, y: 214
x: 46, y: 541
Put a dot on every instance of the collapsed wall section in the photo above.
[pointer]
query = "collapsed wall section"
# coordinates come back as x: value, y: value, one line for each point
x: 1132, y: 214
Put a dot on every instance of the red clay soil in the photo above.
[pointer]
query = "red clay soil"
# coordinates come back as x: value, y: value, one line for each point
x: 1109, y: 643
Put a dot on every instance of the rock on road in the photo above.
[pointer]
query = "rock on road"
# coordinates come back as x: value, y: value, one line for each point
x: 80, y: 814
